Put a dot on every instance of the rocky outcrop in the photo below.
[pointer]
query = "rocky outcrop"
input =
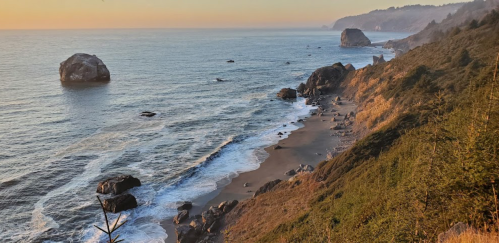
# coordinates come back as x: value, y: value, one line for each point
x: 378, y: 60
x: 186, y: 234
x: 354, y: 38
x: 287, y: 93
x: 181, y: 216
x: 83, y: 67
x: 324, y: 79
x: 350, y: 67
x: 267, y: 187
x: 117, y: 185
x: 120, y: 203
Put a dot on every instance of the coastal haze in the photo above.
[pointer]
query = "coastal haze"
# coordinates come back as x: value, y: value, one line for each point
x: 58, y: 141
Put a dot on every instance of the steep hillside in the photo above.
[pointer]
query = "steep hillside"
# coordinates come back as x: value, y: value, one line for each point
x: 432, y: 32
x: 405, y: 19
x: 429, y: 161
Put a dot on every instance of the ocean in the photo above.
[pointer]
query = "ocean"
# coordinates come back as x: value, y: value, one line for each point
x: 57, y: 141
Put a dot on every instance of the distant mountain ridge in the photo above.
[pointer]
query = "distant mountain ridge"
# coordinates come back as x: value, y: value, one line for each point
x: 412, y: 18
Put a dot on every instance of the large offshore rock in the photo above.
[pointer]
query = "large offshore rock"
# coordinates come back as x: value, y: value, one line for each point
x: 354, y: 38
x: 83, y: 67
x: 117, y: 185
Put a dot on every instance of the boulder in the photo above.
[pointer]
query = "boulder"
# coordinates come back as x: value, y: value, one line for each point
x: 186, y: 234
x: 117, y: 185
x: 350, y: 67
x: 184, y: 206
x: 287, y: 93
x: 336, y: 127
x: 83, y: 67
x: 181, y: 216
x: 337, y: 98
x: 454, y: 231
x: 267, y: 187
x: 354, y: 38
x: 120, y: 203
x: 280, y: 134
x: 290, y: 173
x: 378, y: 60
x: 230, y: 61
x: 208, y: 217
x: 197, y: 225
x: 277, y: 147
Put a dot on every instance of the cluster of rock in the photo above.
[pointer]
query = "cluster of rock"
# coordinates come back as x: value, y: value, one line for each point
x: 116, y: 186
x: 202, y: 228
x: 348, y: 120
x: 323, y: 80
x: 301, y: 169
x: 378, y: 60
x: 83, y: 67
x: 354, y: 38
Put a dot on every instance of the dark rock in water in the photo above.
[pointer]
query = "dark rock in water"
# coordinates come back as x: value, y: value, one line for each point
x: 186, y: 234
x: 279, y: 134
x: 277, y: 147
x: 287, y: 93
x: 117, y: 185
x: 290, y: 173
x: 120, y: 203
x: 147, y: 114
x: 181, y: 216
x: 184, y: 206
x: 354, y: 38
x: 301, y: 88
x: 83, y: 67
x: 350, y: 67
x: 267, y: 187
x: 230, y: 61
x: 220, y: 80
x: 287, y: 63
x: 378, y: 60
x: 453, y: 232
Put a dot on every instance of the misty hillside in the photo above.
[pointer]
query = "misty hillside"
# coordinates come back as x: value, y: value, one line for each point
x: 405, y: 19
x: 433, y: 32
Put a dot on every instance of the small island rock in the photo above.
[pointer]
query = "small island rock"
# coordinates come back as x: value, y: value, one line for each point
x: 117, y: 185
x: 120, y: 203
x: 354, y: 38
x: 83, y: 67
x: 287, y: 93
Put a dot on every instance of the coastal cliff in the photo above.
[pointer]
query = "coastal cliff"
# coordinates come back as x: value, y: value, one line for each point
x: 426, y: 159
x: 412, y: 18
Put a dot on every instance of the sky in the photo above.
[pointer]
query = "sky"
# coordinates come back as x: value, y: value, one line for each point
x: 96, y: 14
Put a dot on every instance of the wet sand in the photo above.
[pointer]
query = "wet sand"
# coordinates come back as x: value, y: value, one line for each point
x: 308, y: 145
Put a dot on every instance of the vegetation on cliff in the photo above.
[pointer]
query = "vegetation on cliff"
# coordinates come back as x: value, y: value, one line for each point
x: 430, y: 160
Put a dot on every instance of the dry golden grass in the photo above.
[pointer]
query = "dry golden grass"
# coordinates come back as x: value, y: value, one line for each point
x: 254, y: 218
x: 373, y: 111
x: 471, y: 236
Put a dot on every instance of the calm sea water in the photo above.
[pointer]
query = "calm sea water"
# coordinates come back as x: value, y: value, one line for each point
x: 57, y: 141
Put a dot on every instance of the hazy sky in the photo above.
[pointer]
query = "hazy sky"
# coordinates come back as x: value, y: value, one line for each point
x: 75, y: 14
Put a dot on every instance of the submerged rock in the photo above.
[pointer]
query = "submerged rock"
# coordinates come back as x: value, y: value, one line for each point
x: 120, y: 203
x: 83, y: 67
x: 354, y: 38
x: 117, y: 185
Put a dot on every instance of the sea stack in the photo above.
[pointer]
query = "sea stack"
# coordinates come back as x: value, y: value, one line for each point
x: 354, y: 38
x: 83, y: 67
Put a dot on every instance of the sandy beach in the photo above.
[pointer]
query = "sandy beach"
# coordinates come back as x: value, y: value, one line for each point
x: 308, y: 145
